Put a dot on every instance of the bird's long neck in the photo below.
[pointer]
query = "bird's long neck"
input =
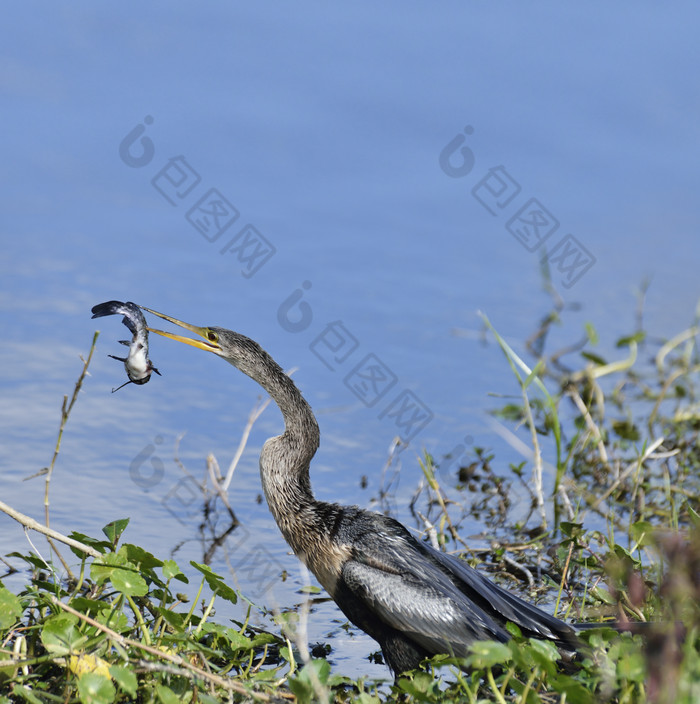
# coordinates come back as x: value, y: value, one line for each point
x: 285, y: 459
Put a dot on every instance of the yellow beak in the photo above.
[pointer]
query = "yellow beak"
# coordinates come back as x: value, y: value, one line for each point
x: 204, y: 344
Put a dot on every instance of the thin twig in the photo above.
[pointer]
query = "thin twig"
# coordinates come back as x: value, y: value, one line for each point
x: 65, y: 412
x: 592, y: 427
x: 537, y: 458
x: 430, y: 529
x: 254, y: 415
x: 49, y: 532
x: 521, y: 568
x: 631, y: 467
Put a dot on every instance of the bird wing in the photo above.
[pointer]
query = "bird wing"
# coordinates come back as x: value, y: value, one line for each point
x: 401, y: 584
x: 437, y: 600
x: 510, y: 607
x: 426, y: 611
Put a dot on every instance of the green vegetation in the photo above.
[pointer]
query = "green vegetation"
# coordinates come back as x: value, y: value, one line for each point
x: 616, y: 537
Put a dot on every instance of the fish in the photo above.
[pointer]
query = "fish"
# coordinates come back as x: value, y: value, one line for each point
x: 137, y: 364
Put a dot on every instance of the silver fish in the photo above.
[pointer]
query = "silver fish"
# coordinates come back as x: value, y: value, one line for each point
x: 138, y: 366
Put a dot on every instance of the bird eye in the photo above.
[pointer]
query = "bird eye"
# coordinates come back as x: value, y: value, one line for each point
x: 212, y: 336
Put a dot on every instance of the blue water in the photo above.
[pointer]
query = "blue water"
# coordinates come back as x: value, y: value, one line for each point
x: 332, y: 138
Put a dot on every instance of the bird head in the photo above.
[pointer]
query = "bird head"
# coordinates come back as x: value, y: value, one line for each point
x: 235, y: 348
x: 210, y: 335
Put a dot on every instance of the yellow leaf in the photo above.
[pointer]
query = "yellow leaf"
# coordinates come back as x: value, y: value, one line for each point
x: 80, y: 664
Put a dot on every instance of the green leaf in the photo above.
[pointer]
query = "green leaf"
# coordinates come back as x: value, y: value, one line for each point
x: 302, y: 686
x: 125, y: 678
x: 114, y: 530
x: 60, y: 634
x: 96, y: 689
x: 309, y: 589
x: 26, y: 694
x: 237, y: 640
x: 545, y: 648
x: 172, y: 618
x: 123, y: 574
x: 10, y: 608
x: 129, y: 582
x: 166, y: 695
x: 694, y: 516
x: 595, y: 358
x: 626, y: 430
x: 603, y: 595
x: 171, y: 569
x: 591, y: 333
x: 101, y: 569
x: 632, y: 667
x: 626, y: 341
x: 99, y: 545
x: 487, y: 653
x: 642, y: 533
x: 144, y: 559
x: 216, y: 583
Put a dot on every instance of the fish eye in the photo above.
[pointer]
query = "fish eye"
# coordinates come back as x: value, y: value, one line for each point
x: 212, y: 336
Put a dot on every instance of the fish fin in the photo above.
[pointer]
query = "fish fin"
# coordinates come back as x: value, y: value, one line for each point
x: 122, y: 386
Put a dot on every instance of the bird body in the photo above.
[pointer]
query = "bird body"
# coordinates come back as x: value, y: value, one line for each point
x: 137, y: 364
x: 415, y: 601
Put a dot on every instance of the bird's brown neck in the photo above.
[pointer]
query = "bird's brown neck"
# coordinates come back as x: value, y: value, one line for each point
x: 285, y: 459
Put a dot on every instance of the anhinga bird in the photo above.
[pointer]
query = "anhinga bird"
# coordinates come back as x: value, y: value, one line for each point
x: 138, y: 366
x: 412, y: 599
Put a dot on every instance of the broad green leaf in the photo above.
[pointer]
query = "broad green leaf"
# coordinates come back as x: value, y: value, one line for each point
x: 99, y: 545
x: 216, y: 583
x: 101, y: 569
x: 60, y: 634
x: 125, y: 678
x: 139, y: 556
x: 632, y: 667
x: 10, y: 608
x: 545, y: 648
x: 120, y: 572
x: 96, y: 689
x: 166, y: 695
x: 26, y: 694
x: 238, y: 640
x: 114, y: 529
x: 603, y: 595
x: 486, y: 653
x: 172, y: 570
x: 129, y: 582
